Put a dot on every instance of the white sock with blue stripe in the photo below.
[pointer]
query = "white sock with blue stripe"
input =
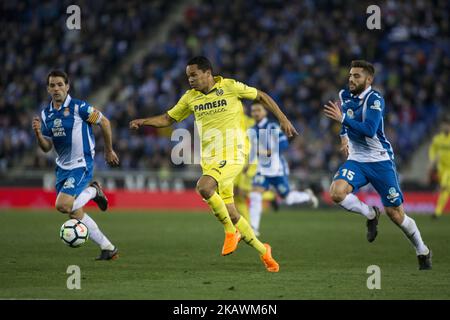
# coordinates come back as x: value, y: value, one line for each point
x: 353, y: 204
x: 83, y: 198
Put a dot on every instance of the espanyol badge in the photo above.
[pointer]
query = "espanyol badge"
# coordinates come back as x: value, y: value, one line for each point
x: 350, y: 114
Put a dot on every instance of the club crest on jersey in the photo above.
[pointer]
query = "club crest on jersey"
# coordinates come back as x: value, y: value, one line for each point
x: 70, y: 183
x: 66, y: 112
x: 219, y: 92
x: 393, y: 194
x: 376, y: 105
x: 350, y: 113
x: 57, y: 123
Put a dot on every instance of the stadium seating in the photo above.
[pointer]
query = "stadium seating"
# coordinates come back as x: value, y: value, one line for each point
x: 296, y: 52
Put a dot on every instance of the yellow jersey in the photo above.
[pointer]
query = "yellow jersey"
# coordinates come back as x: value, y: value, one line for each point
x: 440, y: 151
x: 220, y: 119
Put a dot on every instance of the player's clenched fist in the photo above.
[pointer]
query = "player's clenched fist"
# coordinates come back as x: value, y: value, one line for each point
x: 111, y: 158
x: 288, y: 128
x: 136, y: 123
x: 36, y: 124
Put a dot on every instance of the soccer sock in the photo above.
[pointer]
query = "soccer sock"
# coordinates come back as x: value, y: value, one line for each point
x: 442, y: 201
x: 242, y: 207
x: 411, y: 231
x: 353, y: 204
x: 255, y: 209
x: 249, y: 236
x: 83, y: 198
x: 95, y: 234
x: 220, y: 211
x: 295, y: 196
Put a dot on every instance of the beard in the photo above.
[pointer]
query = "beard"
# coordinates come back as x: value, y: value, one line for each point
x: 358, y: 89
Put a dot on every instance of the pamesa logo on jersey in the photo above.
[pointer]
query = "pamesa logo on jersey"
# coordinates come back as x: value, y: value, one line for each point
x: 58, y: 129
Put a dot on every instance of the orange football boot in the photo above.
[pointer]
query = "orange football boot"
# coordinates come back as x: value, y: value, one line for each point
x: 231, y: 242
x: 269, y: 262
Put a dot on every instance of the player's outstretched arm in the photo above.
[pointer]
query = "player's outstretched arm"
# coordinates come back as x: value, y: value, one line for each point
x: 272, y: 106
x: 45, y: 144
x: 368, y: 127
x: 161, y: 121
x: 110, y: 156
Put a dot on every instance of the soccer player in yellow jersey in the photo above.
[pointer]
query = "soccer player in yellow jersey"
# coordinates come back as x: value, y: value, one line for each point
x: 439, y: 154
x: 219, y: 116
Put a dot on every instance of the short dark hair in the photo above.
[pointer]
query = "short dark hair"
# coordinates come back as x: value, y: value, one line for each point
x: 58, y: 73
x: 202, y: 63
x: 367, y: 66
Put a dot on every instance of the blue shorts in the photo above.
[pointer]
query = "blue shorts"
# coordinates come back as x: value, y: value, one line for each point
x: 73, y: 182
x: 280, y: 183
x: 382, y: 175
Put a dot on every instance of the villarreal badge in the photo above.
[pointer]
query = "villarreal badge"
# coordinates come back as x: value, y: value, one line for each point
x: 66, y: 112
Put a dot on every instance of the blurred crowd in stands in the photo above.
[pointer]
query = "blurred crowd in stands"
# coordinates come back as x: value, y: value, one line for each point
x: 297, y: 51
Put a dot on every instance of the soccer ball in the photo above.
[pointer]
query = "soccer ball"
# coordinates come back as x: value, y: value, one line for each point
x: 74, y: 233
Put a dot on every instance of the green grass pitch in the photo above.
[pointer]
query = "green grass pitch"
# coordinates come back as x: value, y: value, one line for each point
x: 322, y: 254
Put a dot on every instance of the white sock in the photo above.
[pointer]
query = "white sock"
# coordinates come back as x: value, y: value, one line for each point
x: 255, y: 210
x: 295, y: 196
x: 95, y: 234
x: 353, y: 204
x: 83, y: 198
x: 411, y: 231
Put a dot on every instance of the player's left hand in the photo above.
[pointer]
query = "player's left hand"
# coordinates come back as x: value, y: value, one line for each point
x: 288, y: 128
x: 333, y: 111
x: 111, y: 158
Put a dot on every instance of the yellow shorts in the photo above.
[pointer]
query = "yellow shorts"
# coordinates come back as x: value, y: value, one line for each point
x: 225, y: 174
x: 244, y: 180
x: 444, y: 179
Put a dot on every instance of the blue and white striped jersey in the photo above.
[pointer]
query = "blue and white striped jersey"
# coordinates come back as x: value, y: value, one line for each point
x: 364, y: 125
x: 70, y: 128
x: 269, y: 136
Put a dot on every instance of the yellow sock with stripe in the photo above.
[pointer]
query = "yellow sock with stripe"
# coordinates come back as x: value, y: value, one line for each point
x: 442, y: 201
x: 249, y: 236
x: 242, y: 207
x: 220, y: 211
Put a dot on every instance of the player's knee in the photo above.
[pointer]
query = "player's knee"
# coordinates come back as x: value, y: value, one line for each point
x: 396, y: 214
x: 77, y: 214
x: 63, y: 207
x: 205, y: 191
x: 337, y: 194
